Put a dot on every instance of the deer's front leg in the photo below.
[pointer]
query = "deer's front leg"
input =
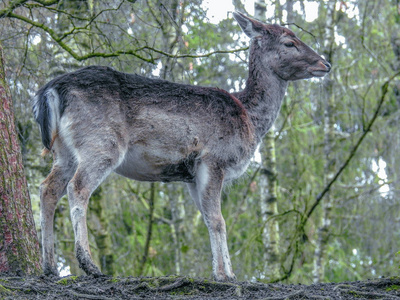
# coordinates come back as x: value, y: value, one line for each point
x: 209, y: 184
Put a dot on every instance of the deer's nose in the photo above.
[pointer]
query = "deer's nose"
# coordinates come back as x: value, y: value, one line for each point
x: 320, y: 68
x: 326, y: 65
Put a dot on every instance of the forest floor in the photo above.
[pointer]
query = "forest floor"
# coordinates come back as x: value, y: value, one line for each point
x: 177, y: 287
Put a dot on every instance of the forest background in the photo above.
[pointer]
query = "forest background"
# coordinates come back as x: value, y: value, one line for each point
x: 318, y: 203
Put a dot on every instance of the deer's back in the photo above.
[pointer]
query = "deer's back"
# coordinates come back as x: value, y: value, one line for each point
x: 163, y: 127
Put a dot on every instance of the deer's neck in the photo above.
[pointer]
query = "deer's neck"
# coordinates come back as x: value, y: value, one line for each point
x: 263, y: 94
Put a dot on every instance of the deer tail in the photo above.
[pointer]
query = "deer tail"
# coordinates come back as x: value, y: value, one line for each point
x: 46, y: 109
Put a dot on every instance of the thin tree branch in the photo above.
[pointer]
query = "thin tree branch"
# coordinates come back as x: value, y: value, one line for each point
x: 194, y: 55
x: 75, y: 55
x: 59, y: 40
x: 302, y: 29
x: 47, y: 3
x: 18, y: 3
x: 384, y: 89
x: 277, y: 137
x: 5, y: 12
x: 366, y: 14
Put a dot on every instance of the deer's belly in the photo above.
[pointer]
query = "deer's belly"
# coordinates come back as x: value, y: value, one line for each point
x: 145, y: 165
x: 236, y: 171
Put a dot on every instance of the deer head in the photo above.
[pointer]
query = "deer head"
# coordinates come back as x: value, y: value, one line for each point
x: 277, y: 49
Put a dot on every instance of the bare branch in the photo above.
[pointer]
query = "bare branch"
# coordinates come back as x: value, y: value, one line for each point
x: 15, y: 4
x: 384, y: 88
x: 5, y: 12
x: 59, y: 39
x: 47, y: 3
x: 195, y: 55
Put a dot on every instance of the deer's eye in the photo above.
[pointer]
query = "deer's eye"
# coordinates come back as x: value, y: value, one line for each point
x: 289, y: 44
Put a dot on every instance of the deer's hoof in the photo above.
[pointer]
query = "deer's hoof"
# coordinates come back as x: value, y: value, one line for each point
x: 86, y: 263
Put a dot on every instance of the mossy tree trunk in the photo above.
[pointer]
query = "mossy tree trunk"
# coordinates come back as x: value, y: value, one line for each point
x: 172, y: 20
x: 19, y: 245
x: 324, y: 228
x: 268, y: 187
x: 269, y: 207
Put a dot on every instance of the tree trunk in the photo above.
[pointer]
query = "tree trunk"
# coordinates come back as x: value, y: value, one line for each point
x: 171, y: 26
x: 323, y: 232
x: 260, y: 9
x: 268, y: 189
x: 269, y: 207
x: 175, y: 196
x: 172, y: 37
x: 145, y: 257
x: 19, y: 245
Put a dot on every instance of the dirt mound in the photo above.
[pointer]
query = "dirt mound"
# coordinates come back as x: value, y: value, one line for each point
x: 177, y: 287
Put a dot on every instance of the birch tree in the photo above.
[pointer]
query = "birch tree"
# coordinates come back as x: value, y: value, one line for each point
x: 323, y: 231
x: 268, y: 190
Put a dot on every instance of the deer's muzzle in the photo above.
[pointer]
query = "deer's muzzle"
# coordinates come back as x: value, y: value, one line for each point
x: 320, y: 69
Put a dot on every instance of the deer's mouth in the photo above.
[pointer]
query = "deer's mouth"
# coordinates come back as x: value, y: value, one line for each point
x: 320, y: 70
x: 318, y: 73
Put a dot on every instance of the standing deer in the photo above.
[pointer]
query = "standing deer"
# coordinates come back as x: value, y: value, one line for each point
x: 98, y: 120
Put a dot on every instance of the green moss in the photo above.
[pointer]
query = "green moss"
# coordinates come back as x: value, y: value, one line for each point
x: 152, y: 282
x: 354, y: 294
x: 4, y: 291
x: 394, y: 277
x: 177, y: 293
x: 114, y: 280
x: 67, y: 280
x: 393, y: 287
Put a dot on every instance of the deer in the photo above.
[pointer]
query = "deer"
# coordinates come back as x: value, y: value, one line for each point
x: 97, y: 120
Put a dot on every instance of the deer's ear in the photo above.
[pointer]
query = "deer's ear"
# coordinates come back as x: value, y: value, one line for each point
x: 250, y: 27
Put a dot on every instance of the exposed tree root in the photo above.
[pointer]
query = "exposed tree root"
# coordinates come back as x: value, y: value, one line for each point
x: 178, y: 287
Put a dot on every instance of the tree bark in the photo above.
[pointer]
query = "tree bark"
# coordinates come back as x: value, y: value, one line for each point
x: 149, y: 229
x: 268, y: 190
x: 177, y: 210
x: 19, y: 245
x: 323, y: 232
x: 172, y: 21
x: 269, y: 207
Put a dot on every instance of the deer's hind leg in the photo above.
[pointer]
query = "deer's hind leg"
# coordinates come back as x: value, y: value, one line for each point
x: 51, y: 190
x: 93, y: 168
